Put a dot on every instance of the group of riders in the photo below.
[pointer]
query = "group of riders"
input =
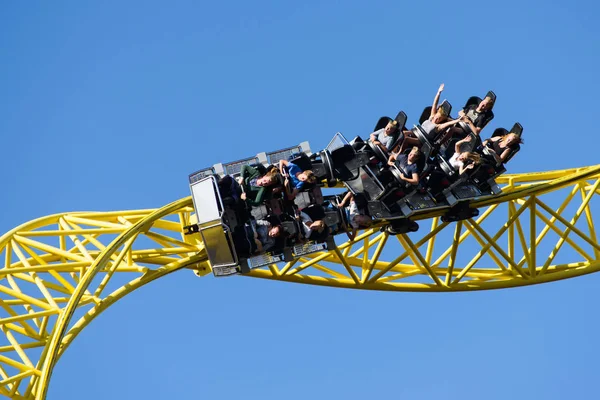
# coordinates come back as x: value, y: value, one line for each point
x: 416, y: 153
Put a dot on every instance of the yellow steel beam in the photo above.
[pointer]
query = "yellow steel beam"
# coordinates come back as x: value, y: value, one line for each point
x: 57, y: 264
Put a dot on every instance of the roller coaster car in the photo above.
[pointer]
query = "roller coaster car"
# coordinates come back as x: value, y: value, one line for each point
x: 228, y: 242
x: 343, y: 159
x: 402, y: 199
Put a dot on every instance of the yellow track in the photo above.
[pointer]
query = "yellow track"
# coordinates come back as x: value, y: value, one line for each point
x: 62, y: 270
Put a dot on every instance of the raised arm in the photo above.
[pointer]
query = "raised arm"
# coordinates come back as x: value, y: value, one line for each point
x: 460, y: 142
x: 436, y: 100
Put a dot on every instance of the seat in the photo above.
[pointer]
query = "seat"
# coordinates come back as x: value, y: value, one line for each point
x: 428, y: 139
x: 445, y: 105
x: 517, y: 129
x: 302, y: 161
x: 381, y: 155
x: 474, y: 101
x: 366, y: 183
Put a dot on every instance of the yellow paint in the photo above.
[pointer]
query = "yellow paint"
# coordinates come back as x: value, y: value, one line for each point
x: 58, y: 264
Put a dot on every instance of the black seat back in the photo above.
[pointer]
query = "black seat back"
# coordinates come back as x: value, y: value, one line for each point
x: 500, y: 132
x: 473, y: 101
x: 514, y: 150
x: 446, y: 106
x: 425, y: 114
x: 302, y: 161
x: 315, y: 212
x: 342, y: 155
x: 401, y: 120
x: 517, y: 128
x: 383, y: 121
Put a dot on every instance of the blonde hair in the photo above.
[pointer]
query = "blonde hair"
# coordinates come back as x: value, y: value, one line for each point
x: 273, y: 176
x: 310, y: 176
x: 417, y: 151
x: 473, y: 157
x: 506, y: 137
x: 318, y: 225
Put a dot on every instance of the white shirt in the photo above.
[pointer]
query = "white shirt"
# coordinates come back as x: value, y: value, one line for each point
x: 455, y: 162
x: 305, y: 221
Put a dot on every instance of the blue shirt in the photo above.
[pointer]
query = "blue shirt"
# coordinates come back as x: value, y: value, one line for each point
x: 293, y: 170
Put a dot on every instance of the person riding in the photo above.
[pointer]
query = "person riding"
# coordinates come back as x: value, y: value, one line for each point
x: 265, y: 234
x: 295, y: 177
x: 355, y: 217
x: 385, y: 137
x: 477, y: 115
x: 256, y: 187
x: 502, y: 146
x: 433, y: 126
x: 464, y: 160
x: 408, y: 165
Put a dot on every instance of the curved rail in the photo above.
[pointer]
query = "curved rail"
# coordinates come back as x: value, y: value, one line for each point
x: 63, y: 270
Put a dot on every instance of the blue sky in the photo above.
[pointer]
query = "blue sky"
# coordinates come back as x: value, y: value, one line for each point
x: 110, y: 105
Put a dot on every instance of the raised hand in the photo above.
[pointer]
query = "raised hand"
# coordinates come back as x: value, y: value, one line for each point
x: 441, y: 88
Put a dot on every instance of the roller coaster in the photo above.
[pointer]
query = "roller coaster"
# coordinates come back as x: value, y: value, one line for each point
x: 456, y: 229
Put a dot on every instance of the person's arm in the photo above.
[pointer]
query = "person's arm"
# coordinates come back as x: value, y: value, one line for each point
x: 457, y: 145
x: 474, y: 129
x: 244, y: 172
x: 259, y: 246
x: 414, y: 180
x: 282, y: 163
x: 249, y: 172
x: 351, y: 234
x: 258, y: 199
x: 346, y: 200
x: 373, y: 137
x: 436, y: 100
x: 289, y: 191
x: 382, y: 146
x: 392, y: 159
x: 293, y: 193
x: 464, y: 167
x: 505, y: 154
x: 445, y: 125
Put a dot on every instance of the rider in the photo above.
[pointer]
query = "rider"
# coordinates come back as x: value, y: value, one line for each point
x: 408, y: 165
x: 385, y: 137
x: 296, y: 177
